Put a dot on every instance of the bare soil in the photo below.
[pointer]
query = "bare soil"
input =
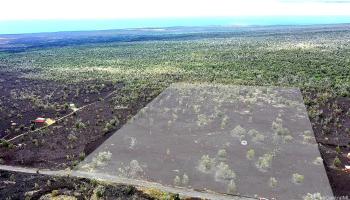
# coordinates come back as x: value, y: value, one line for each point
x: 331, y: 129
x: 34, y: 186
x: 66, y: 142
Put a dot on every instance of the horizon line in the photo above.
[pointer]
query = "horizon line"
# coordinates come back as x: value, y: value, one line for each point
x: 76, y: 25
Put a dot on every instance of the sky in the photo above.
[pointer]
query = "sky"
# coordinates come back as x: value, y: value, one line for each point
x: 126, y: 9
x: 33, y: 16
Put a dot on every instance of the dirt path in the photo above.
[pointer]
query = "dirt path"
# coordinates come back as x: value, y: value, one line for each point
x: 137, y: 183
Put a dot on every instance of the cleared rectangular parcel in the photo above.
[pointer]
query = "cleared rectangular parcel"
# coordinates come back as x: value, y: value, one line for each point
x: 240, y: 140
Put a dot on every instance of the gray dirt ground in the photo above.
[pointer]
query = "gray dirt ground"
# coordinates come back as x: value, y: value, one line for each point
x: 193, y: 136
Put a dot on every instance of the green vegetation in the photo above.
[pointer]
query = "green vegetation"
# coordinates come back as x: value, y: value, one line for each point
x: 6, y: 144
x: 157, y: 194
x: 206, y: 163
x: 224, y: 172
x: 222, y: 154
x: 317, y: 60
x: 250, y: 154
x: 297, y: 178
x: 315, y: 196
x: 185, y: 180
x: 177, y: 181
x: 231, y: 187
x: 273, y: 182
x: 337, y: 162
x: 264, y: 162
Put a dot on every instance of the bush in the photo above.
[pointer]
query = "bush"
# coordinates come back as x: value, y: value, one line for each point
x: 222, y: 154
x: 79, y: 124
x: 6, y: 144
x: 273, y: 182
x: 224, y: 172
x: 264, y: 161
x: 54, y: 193
x: 206, y: 163
x: 110, y: 125
x: 231, y: 187
x: 297, y: 178
x: 238, y: 131
x: 337, y: 162
x: 250, y: 154
x: 177, y: 181
x: 338, y: 150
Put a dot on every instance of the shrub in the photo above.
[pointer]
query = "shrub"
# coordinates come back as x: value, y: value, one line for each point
x: 224, y: 172
x: 6, y: 144
x: 264, y: 161
x: 177, y: 181
x: 337, y: 162
x: 185, y: 180
x: 273, y: 182
x: 338, y: 150
x: 66, y: 106
x: 206, y: 163
x: 250, y: 154
x: 315, y: 196
x: 222, y: 154
x: 79, y: 124
x: 297, y: 178
x: 54, y: 193
x: 82, y: 156
x: 258, y: 138
x: 71, y: 137
x: 238, y: 131
x: 110, y: 125
x: 32, y: 127
x: 174, y: 197
x: 318, y: 161
x: 35, y: 142
x: 231, y: 187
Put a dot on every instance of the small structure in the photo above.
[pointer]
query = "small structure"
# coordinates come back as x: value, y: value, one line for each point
x: 49, y: 121
x: 39, y: 120
x: 73, y: 107
x: 42, y: 121
x: 346, y: 169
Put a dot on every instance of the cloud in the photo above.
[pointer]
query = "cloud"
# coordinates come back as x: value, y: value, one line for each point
x: 315, y: 1
x: 107, y: 9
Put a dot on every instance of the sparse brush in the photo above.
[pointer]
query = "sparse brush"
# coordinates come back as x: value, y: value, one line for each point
x: 314, y: 196
x: 185, y: 180
x: 264, y: 162
x: 337, y: 149
x: 222, y: 154
x: 273, y: 182
x: 177, y: 181
x: 79, y: 124
x: 6, y: 144
x: 250, y: 154
x: 54, y: 193
x: 71, y: 137
x: 337, y: 162
x: 206, y: 163
x: 238, y: 131
x: 297, y: 178
x: 231, y: 187
x: 258, y: 138
x: 224, y: 172
x: 318, y: 161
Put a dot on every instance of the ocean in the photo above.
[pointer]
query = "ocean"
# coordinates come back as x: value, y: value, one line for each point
x: 38, y: 26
